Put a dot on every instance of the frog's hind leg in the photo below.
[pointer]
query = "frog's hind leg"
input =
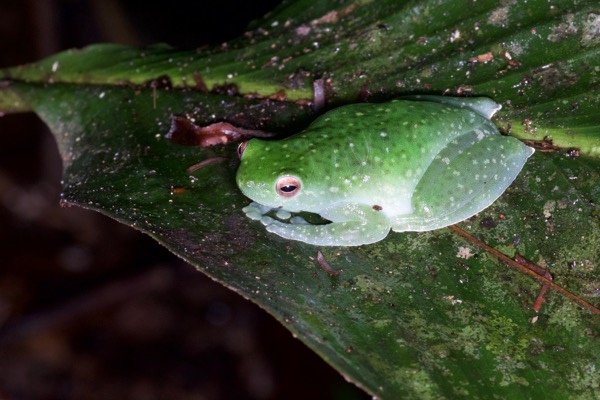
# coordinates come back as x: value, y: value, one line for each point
x: 483, y: 106
x: 466, y: 177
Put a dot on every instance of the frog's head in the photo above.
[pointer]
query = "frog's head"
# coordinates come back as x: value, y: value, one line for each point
x: 272, y: 179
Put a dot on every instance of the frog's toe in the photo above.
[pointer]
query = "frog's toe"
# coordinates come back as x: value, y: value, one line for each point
x: 268, y: 221
x: 297, y: 220
x: 255, y: 211
x: 283, y: 214
x: 252, y: 213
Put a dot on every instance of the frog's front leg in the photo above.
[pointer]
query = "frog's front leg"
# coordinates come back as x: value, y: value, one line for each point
x: 350, y: 233
x: 357, y: 226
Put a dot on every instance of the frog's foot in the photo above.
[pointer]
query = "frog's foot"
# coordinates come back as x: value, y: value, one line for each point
x: 258, y: 212
x: 255, y: 211
x: 352, y: 233
x: 345, y: 233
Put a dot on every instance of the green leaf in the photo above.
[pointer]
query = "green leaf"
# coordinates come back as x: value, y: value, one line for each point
x: 406, y: 317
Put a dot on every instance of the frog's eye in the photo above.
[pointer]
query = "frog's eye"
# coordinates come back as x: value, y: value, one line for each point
x: 241, y: 148
x: 288, y: 186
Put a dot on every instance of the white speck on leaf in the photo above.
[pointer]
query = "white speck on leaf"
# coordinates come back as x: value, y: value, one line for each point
x: 464, y: 252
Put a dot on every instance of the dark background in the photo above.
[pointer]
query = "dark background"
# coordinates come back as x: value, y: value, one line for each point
x: 90, y: 309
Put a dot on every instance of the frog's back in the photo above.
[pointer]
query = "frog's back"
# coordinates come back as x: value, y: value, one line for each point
x: 378, y: 153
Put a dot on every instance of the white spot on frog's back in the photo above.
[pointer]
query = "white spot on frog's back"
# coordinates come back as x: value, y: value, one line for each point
x: 480, y: 134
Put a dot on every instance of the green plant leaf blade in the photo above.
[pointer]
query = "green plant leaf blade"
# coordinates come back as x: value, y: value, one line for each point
x: 403, y: 311
x: 418, y: 315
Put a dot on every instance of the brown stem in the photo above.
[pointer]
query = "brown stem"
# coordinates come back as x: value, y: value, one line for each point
x: 510, y: 262
x: 537, y: 306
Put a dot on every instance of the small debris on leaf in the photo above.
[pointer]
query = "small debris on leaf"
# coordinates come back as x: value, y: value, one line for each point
x: 177, y: 190
x: 325, y: 265
x: 464, y: 252
x: 185, y: 132
x: 319, y: 95
x: 161, y: 82
x: 482, y: 58
x: 200, y: 85
x: 226, y: 89
x: 204, y: 163
x: 540, y: 271
x: 546, y: 146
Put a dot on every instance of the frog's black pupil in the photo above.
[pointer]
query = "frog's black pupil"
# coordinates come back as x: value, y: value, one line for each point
x: 288, y: 188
